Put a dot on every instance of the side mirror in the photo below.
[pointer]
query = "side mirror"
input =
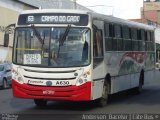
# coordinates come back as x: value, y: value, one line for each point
x: 157, y: 66
x: 6, y: 39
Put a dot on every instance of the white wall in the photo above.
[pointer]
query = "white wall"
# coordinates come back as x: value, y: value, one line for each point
x: 3, y: 53
x: 9, y: 13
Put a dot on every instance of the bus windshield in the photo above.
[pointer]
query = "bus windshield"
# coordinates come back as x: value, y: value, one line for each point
x: 52, y: 47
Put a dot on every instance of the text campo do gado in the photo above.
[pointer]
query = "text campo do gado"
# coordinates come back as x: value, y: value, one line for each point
x: 72, y: 19
x: 56, y: 19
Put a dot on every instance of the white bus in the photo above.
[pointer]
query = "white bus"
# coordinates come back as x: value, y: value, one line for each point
x: 79, y: 56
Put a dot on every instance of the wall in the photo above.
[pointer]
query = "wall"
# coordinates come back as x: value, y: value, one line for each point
x: 157, y: 35
x: 151, y: 15
x: 151, y: 6
x: 9, y: 17
x: 158, y: 16
x: 9, y: 11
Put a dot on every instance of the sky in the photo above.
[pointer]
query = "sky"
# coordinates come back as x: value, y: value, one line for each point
x: 126, y: 9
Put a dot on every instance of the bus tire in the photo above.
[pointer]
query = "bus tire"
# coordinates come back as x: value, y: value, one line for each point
x: 141, y: 82
x: 102, y: 102
x: 40, y: 103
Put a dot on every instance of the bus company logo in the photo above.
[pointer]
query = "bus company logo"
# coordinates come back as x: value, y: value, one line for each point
x: 48, y: 92
x: 49, y: 83
x: 34, y: 82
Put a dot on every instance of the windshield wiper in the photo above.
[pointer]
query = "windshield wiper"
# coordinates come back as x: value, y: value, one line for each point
x: 38, y: 35
x: 44, y: 36
x: 63, y: 38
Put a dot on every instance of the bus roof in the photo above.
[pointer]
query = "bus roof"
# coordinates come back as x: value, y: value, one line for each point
x: 111, y: 19
x: 94, y: 15
x: 55, y: 11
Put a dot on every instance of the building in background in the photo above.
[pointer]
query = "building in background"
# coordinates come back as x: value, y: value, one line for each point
x: 150, y: 15
x: 54, y: 4
x: 151, y: 12
x: 9, y: 11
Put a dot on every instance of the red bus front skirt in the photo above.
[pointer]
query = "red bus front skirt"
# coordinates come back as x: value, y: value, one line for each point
x: 72, y: 93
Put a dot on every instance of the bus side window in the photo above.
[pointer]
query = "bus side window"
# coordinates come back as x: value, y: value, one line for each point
x: 127, y: 43
x: 135, y: 41
x: 97, y: 46
x: 109, y: 33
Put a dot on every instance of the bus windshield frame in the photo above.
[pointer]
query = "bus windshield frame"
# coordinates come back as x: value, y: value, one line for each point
x: 52, y: 47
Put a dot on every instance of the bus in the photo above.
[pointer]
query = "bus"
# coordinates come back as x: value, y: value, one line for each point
x: 75, y: 55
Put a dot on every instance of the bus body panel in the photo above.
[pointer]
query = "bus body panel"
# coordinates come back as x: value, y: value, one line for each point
x: 71, y: 93
x: 98, y: 81
x: 124, y: 75
x: 50, y: 83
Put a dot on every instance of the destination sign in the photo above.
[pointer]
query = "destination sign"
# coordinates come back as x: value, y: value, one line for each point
x: 53, y: 18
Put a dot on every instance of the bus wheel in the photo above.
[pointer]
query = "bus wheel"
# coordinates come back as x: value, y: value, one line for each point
x: 140, y: 86
x: 40, y: 103
x: 103, y: 100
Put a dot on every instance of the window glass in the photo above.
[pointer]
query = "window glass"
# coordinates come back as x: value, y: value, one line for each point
x: 139, y: 37
x: 111, y: 30
x: 109, y: 33
x: 117, y: 31
x: 135, y: 45
x: 127, y: 45
x: 126, y: 32
x: 145, y: 35
x: 142, y: 45
x: 1, y: 67
x: 114, y: 45
x: 148, y: 36
x: 152, y: 36
x: 120, y: 44
x: 97, y: 44
x: 52, y: 47
x: 108, y: 44
x: 97, y: 47
x: 149, y: 44
x: 106, y: 30
x: 134, y: 34
x: 142, y: 34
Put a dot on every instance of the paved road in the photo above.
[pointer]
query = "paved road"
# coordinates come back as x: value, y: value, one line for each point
x: 146, y: 102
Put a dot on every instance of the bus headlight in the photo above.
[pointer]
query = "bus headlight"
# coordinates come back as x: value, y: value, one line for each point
x: 83, y: 78
x: 20, y: 80
x: 16, y: 76
x: 80, y: 81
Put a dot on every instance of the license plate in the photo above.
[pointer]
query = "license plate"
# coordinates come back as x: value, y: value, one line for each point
x: 48, y: 92
x: 32, y: 59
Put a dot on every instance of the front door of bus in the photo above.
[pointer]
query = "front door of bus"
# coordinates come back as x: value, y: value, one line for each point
x: 98, y: 63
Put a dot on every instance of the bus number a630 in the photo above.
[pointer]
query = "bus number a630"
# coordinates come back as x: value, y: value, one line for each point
x: 63, y: 83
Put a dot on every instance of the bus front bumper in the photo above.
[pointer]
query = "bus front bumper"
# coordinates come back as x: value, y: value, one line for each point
x: 71, y: 93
